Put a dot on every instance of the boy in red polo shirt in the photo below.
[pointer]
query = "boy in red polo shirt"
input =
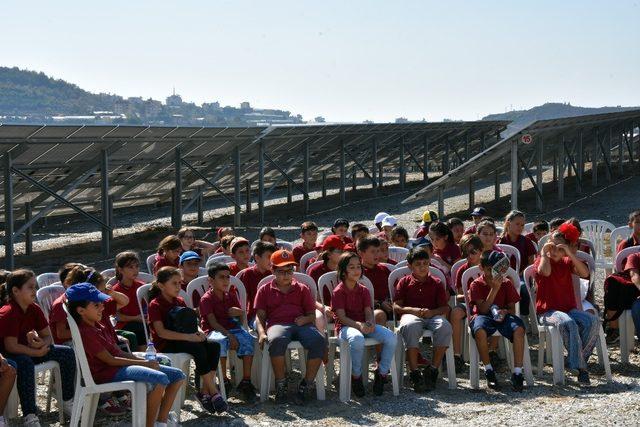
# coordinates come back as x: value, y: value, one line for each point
x: 285, y: 311
x: 250, y: 277
x: 421, y: 300
x: 493, y: 298
x: 241, y: 252
x: 221, y: 317
x: 309, y: 235
x: 634, y: 239
x: 378, y: 274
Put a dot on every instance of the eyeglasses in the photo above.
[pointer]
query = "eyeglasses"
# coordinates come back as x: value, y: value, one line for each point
x: 287, y: 272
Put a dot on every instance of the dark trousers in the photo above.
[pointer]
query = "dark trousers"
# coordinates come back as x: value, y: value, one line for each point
x: 206, y: 354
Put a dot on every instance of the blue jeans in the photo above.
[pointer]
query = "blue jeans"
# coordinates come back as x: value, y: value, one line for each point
x: 635, y: 314
x: 355, y: 338
x: 245, y: 342
x: 165, y: 375
x: 579, y: 331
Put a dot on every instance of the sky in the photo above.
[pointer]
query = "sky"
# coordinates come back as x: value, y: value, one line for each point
x: 347, y: 61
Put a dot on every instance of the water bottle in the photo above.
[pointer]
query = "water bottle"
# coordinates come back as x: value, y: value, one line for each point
x: 497, y: 315
x: 151, y: 353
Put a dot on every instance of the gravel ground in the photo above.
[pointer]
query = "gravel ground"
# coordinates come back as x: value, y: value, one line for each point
x: 601, y: 403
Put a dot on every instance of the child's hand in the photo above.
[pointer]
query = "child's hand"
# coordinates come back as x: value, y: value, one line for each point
x: 386, y: 306
x: 30, y: 337
x: 153, y: 364
x: 301, y: 321
x: 548, y: 247
x: 233, y: 342
x: 261, y: 340
x: 198, y: 337
x: 41, y: 352
x: 564, y: 248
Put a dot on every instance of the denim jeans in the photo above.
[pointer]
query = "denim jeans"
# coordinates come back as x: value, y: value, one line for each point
x: 245, y: 342
x: 579, y: 331
x: 355, y: 338
x: 635, y: 314
x: 165, y: 375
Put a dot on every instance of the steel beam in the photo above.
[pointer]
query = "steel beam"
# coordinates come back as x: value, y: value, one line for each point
x: 237, y: 186
x: 8, y: 213
x: 425, y: 159
x: 540, y: 157
x: 305, y: 176
x: 441, y: 202
x: 343, y: 173
x: 401, y: 169
x: 261, y: 180
x: 620, y: 135
x: 594, y: 157
x: 580, y: 158
x: 104, y: 200
x: 374, y: 165
x: 247, y: 185
x: 514, y: 174
x: 496, y: 186
x: 472, y: 193
x: 28, y: 234
x: 561, y: 163
x: 178, y: 197
x: 200, y: 205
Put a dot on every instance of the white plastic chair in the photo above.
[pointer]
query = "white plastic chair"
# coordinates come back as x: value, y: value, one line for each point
x: 596, y: 230
x: 47, y: 295
x: 304, y: 260
x: 474, y: 356
x: 283, y: 244
x: 511, y: 252
x: 543, y: 240
x: 202, y: 272
x: 46, y: 279
x: 373, y: 230
x: 455, y: 267
x: 146, y: 277
x: 402, y: 264
x: 397, y: 253
x: 626, y: 327
x: 329, y: 280
x: 313, y: 264
x: 266, y: 370
x: 108, y: 273
x: 617, y: 235
x: 151, y: 261
x: 87, y: 392
x: 391, y: 267
x: 550, y: 336
x: 224, y: 259
x: 400, y: 350
x: 528, y: 227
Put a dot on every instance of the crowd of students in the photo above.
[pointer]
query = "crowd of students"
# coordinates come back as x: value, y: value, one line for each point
x: 284, y: 309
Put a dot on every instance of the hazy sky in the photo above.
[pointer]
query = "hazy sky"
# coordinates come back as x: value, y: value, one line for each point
x: 345, y: 60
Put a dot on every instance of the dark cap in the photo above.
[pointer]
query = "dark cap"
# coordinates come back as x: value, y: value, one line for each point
x: 479, y: 211
x: 341, y: 222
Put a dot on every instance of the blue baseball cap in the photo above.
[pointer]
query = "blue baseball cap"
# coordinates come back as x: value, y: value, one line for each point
x: 423, y: 241
x: 85, y: 292
x: 188, y: 255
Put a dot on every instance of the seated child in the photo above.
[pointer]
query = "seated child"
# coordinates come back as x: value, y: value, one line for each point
x: 476, y: 216
x: 285, y: 311
x: 493, y: 298
x: 377, y: 221
x: 341, y: 228
x: 188, y: 240
x: 129, y: 317
x: 378, y: 274
x: 241, y: 252
x: 309, y: 235
x: 7, y: 380
x: 383, y: 253
x: 267, y: 234
x: 427, y: 218
x: 540, y: 229
x: 250, y: 277
x: 221, y: 317
x: 634, y: 239
x: 445, y: 249
x: 388, y: 224
x: 457, y: 228
x: 400, y: 237
x: 354, y: 321
x: 110, y: 364
x: 421, y: 301
x: 168, y: 253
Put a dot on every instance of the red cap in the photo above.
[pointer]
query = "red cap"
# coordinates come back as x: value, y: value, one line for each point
x: 282, y: 258
x: 332, y: 242
x: 350, y: 247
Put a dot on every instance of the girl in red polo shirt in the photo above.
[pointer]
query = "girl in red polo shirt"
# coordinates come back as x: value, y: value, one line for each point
x: 556, y: 302
x: 164, y: 296
x: 129, y: 317
x: 26, y: 339
x: 487, y: 232
x: 445, y: 249
x: 168, y: 254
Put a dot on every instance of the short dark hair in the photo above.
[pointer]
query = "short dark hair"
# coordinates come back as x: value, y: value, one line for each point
x: 441, y: 230
x: 400, y: 232
x: 416, y: 253
x: 366, y: 242
x: 541, y: 226
x: 213, y: 269
x: 634, y: 214
x: 267, y: 231
x: 452, y: 222
x: 261, y: 247
x: 468, y: 241
x: 308, y: 226
x: 556, y: 222
x: 356, y: 228
x: 239, y: 245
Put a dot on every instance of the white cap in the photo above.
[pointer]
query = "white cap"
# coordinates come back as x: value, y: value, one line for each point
x: 389, y: 221
x: 380, y: 216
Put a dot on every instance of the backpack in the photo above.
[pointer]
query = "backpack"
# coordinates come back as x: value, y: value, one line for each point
x: 182, y: 319
x: 619, y: 294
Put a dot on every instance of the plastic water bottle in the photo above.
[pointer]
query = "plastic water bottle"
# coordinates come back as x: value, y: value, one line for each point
x: 497, y: 315
x: 151, y: 353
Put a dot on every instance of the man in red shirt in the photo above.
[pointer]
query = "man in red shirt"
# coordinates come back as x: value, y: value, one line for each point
x: 285, y: 311
x: 250, y: 277
x: 378, y: 274
x: 421, y: 300
x: 309, y: 235
x: 493, y: 300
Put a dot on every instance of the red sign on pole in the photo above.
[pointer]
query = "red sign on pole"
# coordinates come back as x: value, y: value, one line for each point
x: 526, y: 139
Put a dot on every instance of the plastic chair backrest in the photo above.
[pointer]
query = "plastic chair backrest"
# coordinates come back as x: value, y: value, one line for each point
x: 373, y: 230
x: 622, y: 256
x: 301, y: 278
x: 142, y: 295
x: 543, y: 240
x: 304, y: 260
x: 596, y: 230
x: 313, y: 264
x: 283, y: 244
x: 397, y: 253
x: 439, y: 274
x: 78, y: 347
x: 528, y: 227
x: 438, y: 264
x: 47, y: 295
x: 529, y: 280
x: 46, y: 279
x: 108, y: 273
x: 199, y: 285
x: 202, y: 272
x: 151, y: 261
x: 617, y: 235
x: 391, y: 267
x: 146, y: 277
x: 511, y: 252
x: 475, y: 272
x: 402, y: 264
x: 327, y: 280
x: 454, y: 269
x: 432, y: 270
x: 323, y: 235
x: 224, y: 259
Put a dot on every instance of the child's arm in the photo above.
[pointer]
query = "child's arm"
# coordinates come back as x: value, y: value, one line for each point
x: 111, y: 360
x: 62, y: 331
x: 581, y: 269
x: 511, y: 308
x: 43, y: 339
x: 126, y: 318
x: 440, y: 311
x: 261, y: 323
x: 484, y: 306
x: 121, y: 299
x: 213, y: 322
x: 167, y: 334
x: 12, y: 345
x: 306, y: 318
x: 398, y: 306
x: 544, y: 267
x: 347, y: 321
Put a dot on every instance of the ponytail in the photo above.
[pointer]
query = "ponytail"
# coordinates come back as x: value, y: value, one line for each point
x: 15, y: 279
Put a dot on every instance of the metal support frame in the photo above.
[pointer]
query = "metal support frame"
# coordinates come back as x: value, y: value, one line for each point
x: 8, y: 213
x: 446, y: 158
x: 261, y: 180
x: 380, y: 175
x: 401, y: 169
x: 237, y: 186
x: 514, y: 174
x: 200, y: 205
x: 374, y: 166
x: 343, y: 173
x: 305, y: 176
x: 580, y: 159
x: 425, y: 159
x: 104, y: 201
x: 594, y: 157
x: 561, y: 165
x: 177, y: 205
x: 472, y: 193
x: 28, y: 233
x: 441, y: 202
x: 247, y: 185
x: 620, y: 135
x: 572, y: 164
x: 496, y: 185
x: 606, y: 151
x: 324, y: 184
x: 201, y: 189
x: 540, y: 158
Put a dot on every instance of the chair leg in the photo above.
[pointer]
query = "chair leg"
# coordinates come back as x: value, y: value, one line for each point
x: 56, y: 381
x: 302, y: 358
x: 465, y: 344
x: 365, y: 366
x: 526, y: 361
x: 541, y: 352
x: 78, y: 404
x: 320, y: 391
x: 623, y: 328
x: 11, y: 410
x: 395, y: 381
x: 557, y: 354
x: 139, y: 401
x: 451, y: 366
x: 603, y: 353
x: 221, y: 386
x: 345, y: 371
x: 90, y: 407
x: 331, y: 358
x: 265, y: 373
x: 400, y: 357
x: 474, y: 364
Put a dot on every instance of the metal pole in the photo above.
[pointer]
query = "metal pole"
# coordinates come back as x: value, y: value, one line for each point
x: 401, y: 168
x: 620, y: 153
x: 425, y: 157
x: 289, y: 193
x: 104, y: 200
x: 607, y: 171
x: 555, y: 166
x: 343, y: 174
x: 472, y: 193
x: 496, y: 186
x: 261, y: 181
x: 514, y: 174
x: 483, y: 144
x: 8, y: 213
x: 380, y: 175
x: 445, y: 160
x: 200, y: 206
x: 374, y: 165
x: 594, y: 158
x: 580, y: 160
x: 324, y: 184
x: 237, y: 187
x: 354, y: 177
x: 247, y: 185
x: 466, y: 147
x: 112, y: 223
x: 441, y: 202
x: 305, y: 177
x: 178, y: 199
x: 561, y: 163
x: 28, y: 233
x: 173, y: 207
x: 539, y: 200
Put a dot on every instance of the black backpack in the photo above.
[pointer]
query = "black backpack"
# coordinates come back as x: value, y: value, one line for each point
x: 182, y: 319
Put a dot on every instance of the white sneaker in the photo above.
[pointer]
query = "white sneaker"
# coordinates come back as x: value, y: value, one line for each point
x: 172, y: 420
x: 67, y: 407
x: 31, y: 420
x: 2, y: 422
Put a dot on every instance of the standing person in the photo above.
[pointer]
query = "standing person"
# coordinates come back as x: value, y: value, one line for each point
x: 493, y: 298
x: 476, y: 216
x: 251, y: 276
x: 26, y: 339
x: 221, y: 317
x: 187, y: 236
x: 354, y: 321
x: 309, y: 235
x: 285, y: 311
x: 108, y: 363
x: 168, y: 253
x: 556, y: 299
x: 164, y: 299
x: 378, y: 274
x: 129, y: 317
x: 421, y: 301
x: 241, y: 253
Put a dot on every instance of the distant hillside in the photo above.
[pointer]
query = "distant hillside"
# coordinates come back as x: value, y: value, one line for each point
x: 33, y: 97
x: 550, y: 110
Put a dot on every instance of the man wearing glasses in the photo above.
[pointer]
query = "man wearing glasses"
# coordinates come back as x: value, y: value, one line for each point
x: 285, y: 312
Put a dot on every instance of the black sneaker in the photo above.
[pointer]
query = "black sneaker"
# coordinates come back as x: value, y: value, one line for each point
x: 613, y: 336
x: 205, y: 402
x: 417, y: 381
x: 492, y: 380
x: 378, y: 383
x: 247, y: 391
x: 219, y: 404
x: 583, y: 377
x: 461, y: 366
x: 281, y: 391
x: 301, y: 395
x: 228, y: 386
x: 517, y: 381
x: 357, y: 386
x: 430, y: 376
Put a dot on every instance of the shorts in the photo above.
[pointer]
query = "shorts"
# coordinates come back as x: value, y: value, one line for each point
x: 506, y: 328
